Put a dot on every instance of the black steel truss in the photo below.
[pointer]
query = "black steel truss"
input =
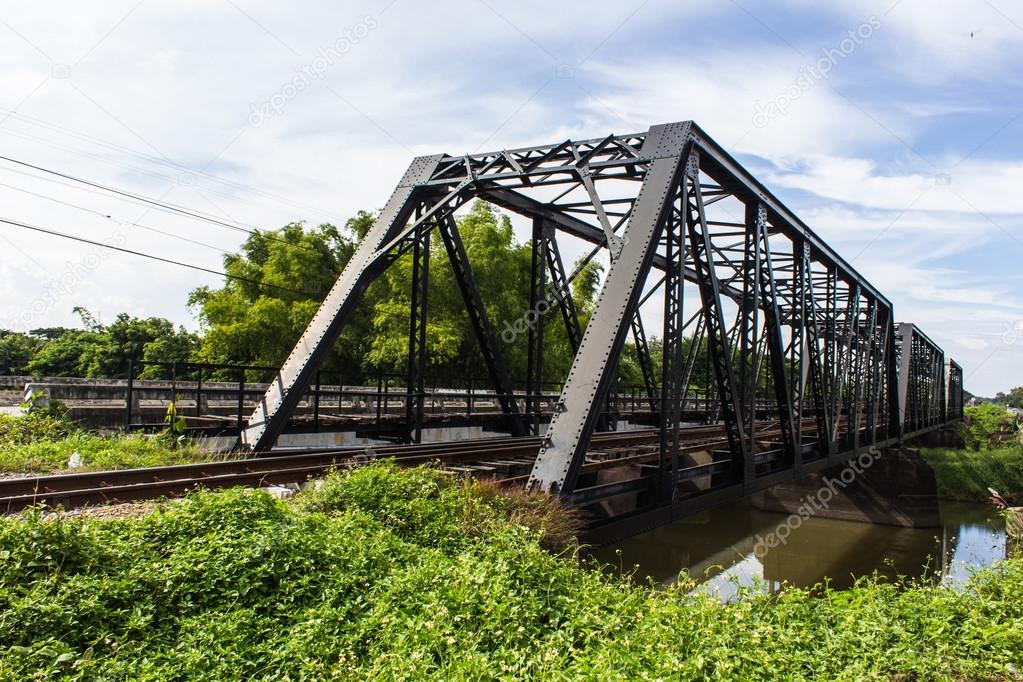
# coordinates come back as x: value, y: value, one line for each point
x: 796, y: 338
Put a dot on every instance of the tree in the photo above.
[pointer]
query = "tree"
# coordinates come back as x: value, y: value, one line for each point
x: 501, y: 269
x: 1013, y: 399
x: 16, y: 351
x: 66, y: 356
x: 107, y: 351
x: 281, y: 277
x: 50, y: 333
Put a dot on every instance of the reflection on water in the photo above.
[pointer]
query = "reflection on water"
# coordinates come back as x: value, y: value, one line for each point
x: 721, y: 549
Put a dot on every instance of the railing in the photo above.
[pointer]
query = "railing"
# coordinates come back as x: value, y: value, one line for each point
x: 200, y: 392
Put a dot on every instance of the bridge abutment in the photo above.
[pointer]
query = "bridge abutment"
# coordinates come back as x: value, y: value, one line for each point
x: 895, y: 487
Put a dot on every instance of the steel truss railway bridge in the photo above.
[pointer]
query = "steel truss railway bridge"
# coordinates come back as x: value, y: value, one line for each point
x: 687, y: 231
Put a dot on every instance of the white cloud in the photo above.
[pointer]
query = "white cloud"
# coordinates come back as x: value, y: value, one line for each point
x: 941, y: 41
x: 722, y: 92
x: 959, y: 187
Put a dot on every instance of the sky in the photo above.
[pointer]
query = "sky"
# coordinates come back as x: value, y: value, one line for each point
x: 894, y: 129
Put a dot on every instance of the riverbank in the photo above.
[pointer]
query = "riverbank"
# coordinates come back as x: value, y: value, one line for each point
x: 388, y: 574
x: 966, y: 475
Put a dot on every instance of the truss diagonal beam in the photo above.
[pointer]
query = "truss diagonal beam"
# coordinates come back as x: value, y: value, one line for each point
x: 492, y: 356
x: 286, y: 390
x: 568, y: 436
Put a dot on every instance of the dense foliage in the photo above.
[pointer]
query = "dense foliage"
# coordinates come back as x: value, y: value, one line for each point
x: 277, y: 280
x: 1013, y: 398
x: 16, y: 351
x: 251, y: 324
x: 438, y: 582
x: 282, y: 276
x: 988, y: 425
x: 501, y: 268
x: 97, y: 350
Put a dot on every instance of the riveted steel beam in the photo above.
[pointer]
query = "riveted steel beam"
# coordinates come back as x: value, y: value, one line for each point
x: 586, y: 386
x: 286, y: 390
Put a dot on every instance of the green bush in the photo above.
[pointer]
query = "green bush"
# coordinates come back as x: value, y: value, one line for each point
x: 122, y: 451
x: 987, y: 425
x: 432, y: 507
x: 31, y: 428
x: 236, y: 585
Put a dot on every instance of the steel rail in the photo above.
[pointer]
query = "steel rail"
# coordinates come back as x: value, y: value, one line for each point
x: 74, y: 490
x: 123, y: 485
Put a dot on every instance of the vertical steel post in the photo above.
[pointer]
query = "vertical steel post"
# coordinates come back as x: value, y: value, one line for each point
x: 241, y: 400
x: 536, y: 318
x: 316, y: 403
x: 673, y: 233
x: 776, y: 346
x: 415, y: 394
x: 719, y: 351
x: 130, y: 393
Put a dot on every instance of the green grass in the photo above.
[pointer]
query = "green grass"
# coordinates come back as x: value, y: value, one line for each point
x: 967, y: 474
x: 386, y: 574
x: 40, y: 444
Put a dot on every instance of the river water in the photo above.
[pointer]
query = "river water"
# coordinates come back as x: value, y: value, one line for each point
x: 722, y: 550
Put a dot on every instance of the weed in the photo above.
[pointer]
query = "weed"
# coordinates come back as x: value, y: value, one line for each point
x: 39, y: 443
x: 408, y: 574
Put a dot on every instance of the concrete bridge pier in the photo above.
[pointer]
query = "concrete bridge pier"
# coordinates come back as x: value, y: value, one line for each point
x: 895, y: 487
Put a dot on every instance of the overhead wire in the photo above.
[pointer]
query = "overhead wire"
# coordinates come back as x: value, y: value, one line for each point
x: 170, y: 261
x: 159, y: 204
x: 106, y: 216
x: 192, y: 266
x: 149, y: 158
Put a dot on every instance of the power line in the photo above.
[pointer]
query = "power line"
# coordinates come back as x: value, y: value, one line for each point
x: 101, y: 194
x: 64, y: 235
x: 57, y: 233
x: 145, y: 157
x: 105, y: 216
x: 154, y: 174
x: 162, y: 205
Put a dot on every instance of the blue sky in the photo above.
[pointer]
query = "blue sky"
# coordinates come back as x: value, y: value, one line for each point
x: 904, y: 155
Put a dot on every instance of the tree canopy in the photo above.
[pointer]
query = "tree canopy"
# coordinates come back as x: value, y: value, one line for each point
x: 98, y: 350
x: 278, y: 280
x: 1013, y: 398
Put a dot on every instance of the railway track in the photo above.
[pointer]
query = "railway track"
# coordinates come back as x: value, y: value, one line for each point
x: 502, y: 458
x: 506, y: 459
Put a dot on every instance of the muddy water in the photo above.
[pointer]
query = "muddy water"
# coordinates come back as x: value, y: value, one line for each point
x: 722, y: 549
